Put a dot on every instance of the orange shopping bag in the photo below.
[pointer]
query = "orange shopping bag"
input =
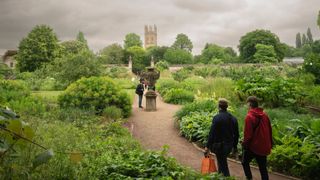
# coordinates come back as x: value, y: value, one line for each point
x: 208, y: 165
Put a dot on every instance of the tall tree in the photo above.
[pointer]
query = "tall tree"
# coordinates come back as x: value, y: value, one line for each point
x: 178, y: 56
x: 131, y: 40
x: 309, y: 35
x: 298, y: 41
x: 304, y: 39
x: 81, y: 38
x: 137, y: 54
x: 39, y: 47
x: 112, y: 54
x: 265, y: 53
x: 183, y: 42
x: 73, y: 47
x: 249, y: 41
x: 319, y: 19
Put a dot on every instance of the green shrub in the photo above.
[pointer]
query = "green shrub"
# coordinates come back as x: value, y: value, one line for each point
x: 178, y: 96
x: 96, y: 92
x: 112, y: 112
x: 313, y: 96
x: 312, y: 65
x: 181, y: 75
x: 162, y: 65
x: 125, y: 83
x: 196, y: 126
x: 219, y: 88
x: 296, y: 158
x: 11, y: 90
x: 277, y: 92
x: 118, y: 72
x: 206, y: 105
x: 28, y: 106
x: 193, y: 83
x: 164, y: 85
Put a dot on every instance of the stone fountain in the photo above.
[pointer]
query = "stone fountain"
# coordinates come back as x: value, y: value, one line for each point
x: 151, y: 76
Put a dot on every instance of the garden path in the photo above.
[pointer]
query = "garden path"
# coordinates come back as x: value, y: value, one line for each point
x: 156, y: 129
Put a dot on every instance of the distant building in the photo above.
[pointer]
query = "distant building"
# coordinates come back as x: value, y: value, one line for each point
x: 293, y: 60
x: 8, y: 58
x: 150, y: 36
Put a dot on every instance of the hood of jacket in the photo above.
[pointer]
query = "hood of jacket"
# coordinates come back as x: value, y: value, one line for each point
x: 256, y: 112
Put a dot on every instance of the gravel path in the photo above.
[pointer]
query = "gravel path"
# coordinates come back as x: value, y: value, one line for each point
x: 156, y: 129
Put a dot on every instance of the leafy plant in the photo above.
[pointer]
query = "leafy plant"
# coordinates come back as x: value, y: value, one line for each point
x: 178, y: 96
x: 96, y: 92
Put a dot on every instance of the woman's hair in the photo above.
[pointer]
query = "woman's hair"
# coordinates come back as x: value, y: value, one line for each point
x: 253, y: 101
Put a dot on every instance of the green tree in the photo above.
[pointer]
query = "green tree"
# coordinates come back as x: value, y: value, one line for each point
x: 112, y: 54
x: 316, y: 47
x: 182, y: 42
x: 71, y: 68
x: 132, y: 39
x: 312, y: 64
x: 81, y: 38
x: 309, y: 35
x: 298, y: 41
x: 304, y: 39
x: 39, y: 47
x: 318, y: 19
x: 137, y: 54
x: 230, y: 51
x: 178, y: 56
x: 212, y: 52
x: 249, y: 41
x: 73, y: 47
x: 265, y: 53
x: 157, y: 52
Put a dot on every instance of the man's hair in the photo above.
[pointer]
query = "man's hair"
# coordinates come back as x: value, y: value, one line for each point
x: 223, y: 103
x: 253, y: 100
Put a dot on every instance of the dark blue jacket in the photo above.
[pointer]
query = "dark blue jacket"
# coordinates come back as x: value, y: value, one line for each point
x: 224, y: 128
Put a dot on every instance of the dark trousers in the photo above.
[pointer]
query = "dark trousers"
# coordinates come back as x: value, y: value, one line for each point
x: 140, y: 100
x: 222, y: 155
x: 262, y: 163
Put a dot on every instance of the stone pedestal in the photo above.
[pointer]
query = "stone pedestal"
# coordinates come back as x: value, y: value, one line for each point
x: 151, y: 97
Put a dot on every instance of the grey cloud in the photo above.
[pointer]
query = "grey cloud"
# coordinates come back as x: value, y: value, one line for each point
x: 105, y: 21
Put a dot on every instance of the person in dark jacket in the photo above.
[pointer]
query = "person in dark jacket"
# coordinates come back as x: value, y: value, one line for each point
x: 139, y: 91
x: 257, y: 141
x: 223, y: 136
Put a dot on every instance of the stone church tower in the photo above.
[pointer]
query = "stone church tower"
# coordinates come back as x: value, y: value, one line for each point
x: 150, y: 36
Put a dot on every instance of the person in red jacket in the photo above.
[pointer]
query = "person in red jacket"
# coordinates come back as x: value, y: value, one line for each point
x: 257, y: 141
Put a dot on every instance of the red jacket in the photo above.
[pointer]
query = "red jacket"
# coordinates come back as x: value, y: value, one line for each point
x: 257, y: 135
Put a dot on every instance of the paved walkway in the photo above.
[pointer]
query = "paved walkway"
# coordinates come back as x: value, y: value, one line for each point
x: 156, y: 129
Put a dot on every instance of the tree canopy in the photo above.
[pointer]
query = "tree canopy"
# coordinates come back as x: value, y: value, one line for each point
x: 298, y: 41
x: 213, y: 52
x: 73, y: 47
x: 182, y: 42
x: 249, y: 41
x: 132, y: 39
x: 265, y: 53
x: 178, y: 56
x: 81, y: 38
x: 318, y: 19
x: 39, y: 47
x: 112, y: 54
x: 157, y: 52
x: 137, y: 54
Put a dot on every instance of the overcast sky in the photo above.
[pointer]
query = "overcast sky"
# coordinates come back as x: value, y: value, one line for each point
x: 107, y: 21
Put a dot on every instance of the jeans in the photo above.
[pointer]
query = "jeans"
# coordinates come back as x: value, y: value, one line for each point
x: 222, y: 155
x: 262, y: 163
x: 140, y: 100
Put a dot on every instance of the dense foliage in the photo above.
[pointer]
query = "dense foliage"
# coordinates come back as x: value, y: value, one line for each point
x: 183, y: 42
x: 112, y: 54
x: 97, y: 93
x: 178, y: 96
x: 131, y: 40
x: 178, y: 56
x: 249, y: 41
x: 39, y: 47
